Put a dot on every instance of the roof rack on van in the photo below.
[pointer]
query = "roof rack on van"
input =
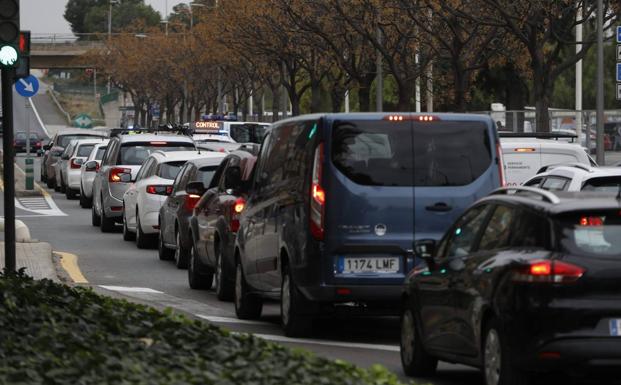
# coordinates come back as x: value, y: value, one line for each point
x: 581, y: 166
x: 550, y: 197
x: 537, y: 135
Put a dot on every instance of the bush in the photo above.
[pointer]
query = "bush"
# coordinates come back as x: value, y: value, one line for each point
x: 55, y: 334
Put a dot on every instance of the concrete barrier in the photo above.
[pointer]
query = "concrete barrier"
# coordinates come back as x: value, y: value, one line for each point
x: 22, y: 233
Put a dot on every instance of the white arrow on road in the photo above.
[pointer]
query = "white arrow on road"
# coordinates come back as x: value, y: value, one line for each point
x: 27, y: 86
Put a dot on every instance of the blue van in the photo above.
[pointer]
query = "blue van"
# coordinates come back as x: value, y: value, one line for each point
x: 337, y: 201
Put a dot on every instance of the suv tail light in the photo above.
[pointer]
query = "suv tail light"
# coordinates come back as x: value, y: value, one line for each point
x: 318, y: 196
x: 548, y: 271
x: 76, y: 163
x: 115, y: 174
x: 501, y: 165
x: 236, y: 210
x: 159, y: 189
x: 190, y: 201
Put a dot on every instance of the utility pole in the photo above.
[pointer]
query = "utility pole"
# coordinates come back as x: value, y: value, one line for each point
x: 379, y: 86
x: 8, y: 176
x: 578, y: 91
x: 600, y: 83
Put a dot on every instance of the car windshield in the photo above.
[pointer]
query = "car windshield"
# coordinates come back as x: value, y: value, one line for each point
x: 169, y: 170
x: 85, y: 150
x: 205, y: 174
x: 248, y: 132
x: 64, y: 140
x: 387, y: 153
x: 20, y: 135
x: 596, y: 233
x: 100, y: 153
x: 134, y: 153
x: 610, y: 184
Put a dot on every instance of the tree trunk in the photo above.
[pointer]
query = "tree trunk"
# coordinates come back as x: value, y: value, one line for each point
x: 459, y: 101
x: 364, y: 92
x: 405, y: 96
x: 315, y: 96
x: 542, y: 91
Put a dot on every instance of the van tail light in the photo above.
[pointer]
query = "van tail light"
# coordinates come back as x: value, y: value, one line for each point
x: 115, y: 174
x: 318, y: 196
x: 236, y: 210
x: 190, y: 201
x: 76, y: 163
x: 159, y: 189
x: 501, y: 165
x: 548, y: 271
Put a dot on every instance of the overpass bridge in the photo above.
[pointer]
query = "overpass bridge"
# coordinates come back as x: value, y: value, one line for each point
x: 48, y: 51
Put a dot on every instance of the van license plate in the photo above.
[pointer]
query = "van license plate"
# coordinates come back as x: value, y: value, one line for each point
x: 615, y: 327
x: 350, y: 265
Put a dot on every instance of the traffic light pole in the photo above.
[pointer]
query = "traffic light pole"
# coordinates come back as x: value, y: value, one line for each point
x: 8, y: 176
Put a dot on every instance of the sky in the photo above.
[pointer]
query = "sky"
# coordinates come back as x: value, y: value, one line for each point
x: 46, y: 16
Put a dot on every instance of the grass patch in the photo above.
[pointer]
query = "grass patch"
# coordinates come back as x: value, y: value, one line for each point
x: 55, y: 334
x: 80, y: 104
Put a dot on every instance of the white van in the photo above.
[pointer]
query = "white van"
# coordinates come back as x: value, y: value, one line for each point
x: 239, y: 132
x: 525, y: 156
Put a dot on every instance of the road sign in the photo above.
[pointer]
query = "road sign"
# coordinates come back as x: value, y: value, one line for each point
x: 618, y: 72
x: 83, y: 121
x: 618, y: 91
x: 619, y: 34
x: 27, y: 87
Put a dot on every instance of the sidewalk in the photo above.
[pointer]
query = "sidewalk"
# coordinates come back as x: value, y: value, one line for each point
x: 36, y: 257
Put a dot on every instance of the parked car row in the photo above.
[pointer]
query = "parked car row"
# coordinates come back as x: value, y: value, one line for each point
x: 399, y: 214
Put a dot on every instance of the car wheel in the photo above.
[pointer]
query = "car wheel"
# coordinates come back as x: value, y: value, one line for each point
x: 247, y: 305
x: 414, y: 359
x: 163, y: 252
x: 95, y: 218
x: 143, y: 241
x: 291, y: 302
x: 224, y: 287
x: 498, y: 366
x: 181, y: 254
x: 63, y: 187
x: 85, y: 203
x: 127, y: 235
x: 50, y: 182
x: 197, y: 279
x: 107, y: 224
x: 70, y: 193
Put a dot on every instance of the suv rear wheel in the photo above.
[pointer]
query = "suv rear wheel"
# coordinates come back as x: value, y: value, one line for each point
x: 181, y: 253
x: 247, y: 305
x: 292, y: 302
x: 498, y: 367
x: 197, y: 277
x: 414, y: 359
x: 107, y: 224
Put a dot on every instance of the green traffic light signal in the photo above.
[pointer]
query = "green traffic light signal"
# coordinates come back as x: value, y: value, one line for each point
x: 8, y: 56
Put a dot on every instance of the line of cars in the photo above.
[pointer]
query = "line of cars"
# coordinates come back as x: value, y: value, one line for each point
x: 337, y: 211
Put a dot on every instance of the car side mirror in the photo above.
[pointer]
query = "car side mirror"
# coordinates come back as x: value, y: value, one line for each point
x: 126, y: 177
x: 195, y: 188
x: 91, y: 165
x: 232, y: 178
x: 65, y: 157
x: 426, y: 249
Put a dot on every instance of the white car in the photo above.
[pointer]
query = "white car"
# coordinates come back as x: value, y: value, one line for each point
x: 524, y: 156
x: 68, y: 167
x: 145, y: 196
x: 88, y: 171
x: 578, y: 177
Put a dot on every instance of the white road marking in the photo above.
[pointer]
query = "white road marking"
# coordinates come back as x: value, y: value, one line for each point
x: 355, y: 345
x: 227, y: 320
x: 43, y: 206
x: 131, y: 289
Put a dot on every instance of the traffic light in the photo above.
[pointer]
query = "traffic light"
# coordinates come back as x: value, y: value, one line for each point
x: 23, y: 67
x: 9, y: 33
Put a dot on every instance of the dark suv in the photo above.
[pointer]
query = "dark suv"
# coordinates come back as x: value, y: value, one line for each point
x: 521, y: 283
x: 214, y: 225
x: 337, y: 201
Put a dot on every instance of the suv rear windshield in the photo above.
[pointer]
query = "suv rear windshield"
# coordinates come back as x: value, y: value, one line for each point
x: 248, y: 133
x: 593, y: 232
x: 603, y: 184
x: 134, y: 153
x: 85, y: 150
x: 169, y: 170
x: 64, y: 140
x: 384, y: 153
x: 205, y: 174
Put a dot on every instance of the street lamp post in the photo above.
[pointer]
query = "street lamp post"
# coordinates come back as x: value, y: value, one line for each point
x: 110, y: 3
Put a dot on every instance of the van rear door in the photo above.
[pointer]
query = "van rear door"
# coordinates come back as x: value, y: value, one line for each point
x: 522, y: 160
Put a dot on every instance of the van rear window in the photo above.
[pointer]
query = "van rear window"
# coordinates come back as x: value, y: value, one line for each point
x: 381, y: 153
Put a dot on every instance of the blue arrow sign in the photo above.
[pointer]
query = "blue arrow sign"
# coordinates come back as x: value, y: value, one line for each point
x: 618, y: 72
x: 27, y: 87
x: 619, y: 34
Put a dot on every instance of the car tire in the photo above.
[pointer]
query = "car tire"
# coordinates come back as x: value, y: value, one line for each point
x: 181, y: 254
x: 498, y: 362
x: 70, y: 193
x: 414, y: 359
x: 85, y: 203
x: 143, y: 241
x: 247, y: 305
x: 95, y: 218
x: 225, y: 289
x: 197, y: 279
x: 163, y: 252
x: 63, y: 187
x: 127, y: 235
x: 50, y: 182
x: 107, y: 224
x: 292, y: 301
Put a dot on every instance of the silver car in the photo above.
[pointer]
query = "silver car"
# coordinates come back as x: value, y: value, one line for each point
x: 119, y: 166
x: 88, y: 171
x: 70, y: 164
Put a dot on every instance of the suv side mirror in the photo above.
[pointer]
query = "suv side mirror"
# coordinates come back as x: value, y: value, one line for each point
x: 126, y: 177
x: 91, y: 165
x: 426, y: 249
x: 65, y: 157
x: 195, y: 188
x: 232, y: 178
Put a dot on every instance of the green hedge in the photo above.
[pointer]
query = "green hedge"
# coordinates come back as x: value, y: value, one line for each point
x: 55, y: 334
